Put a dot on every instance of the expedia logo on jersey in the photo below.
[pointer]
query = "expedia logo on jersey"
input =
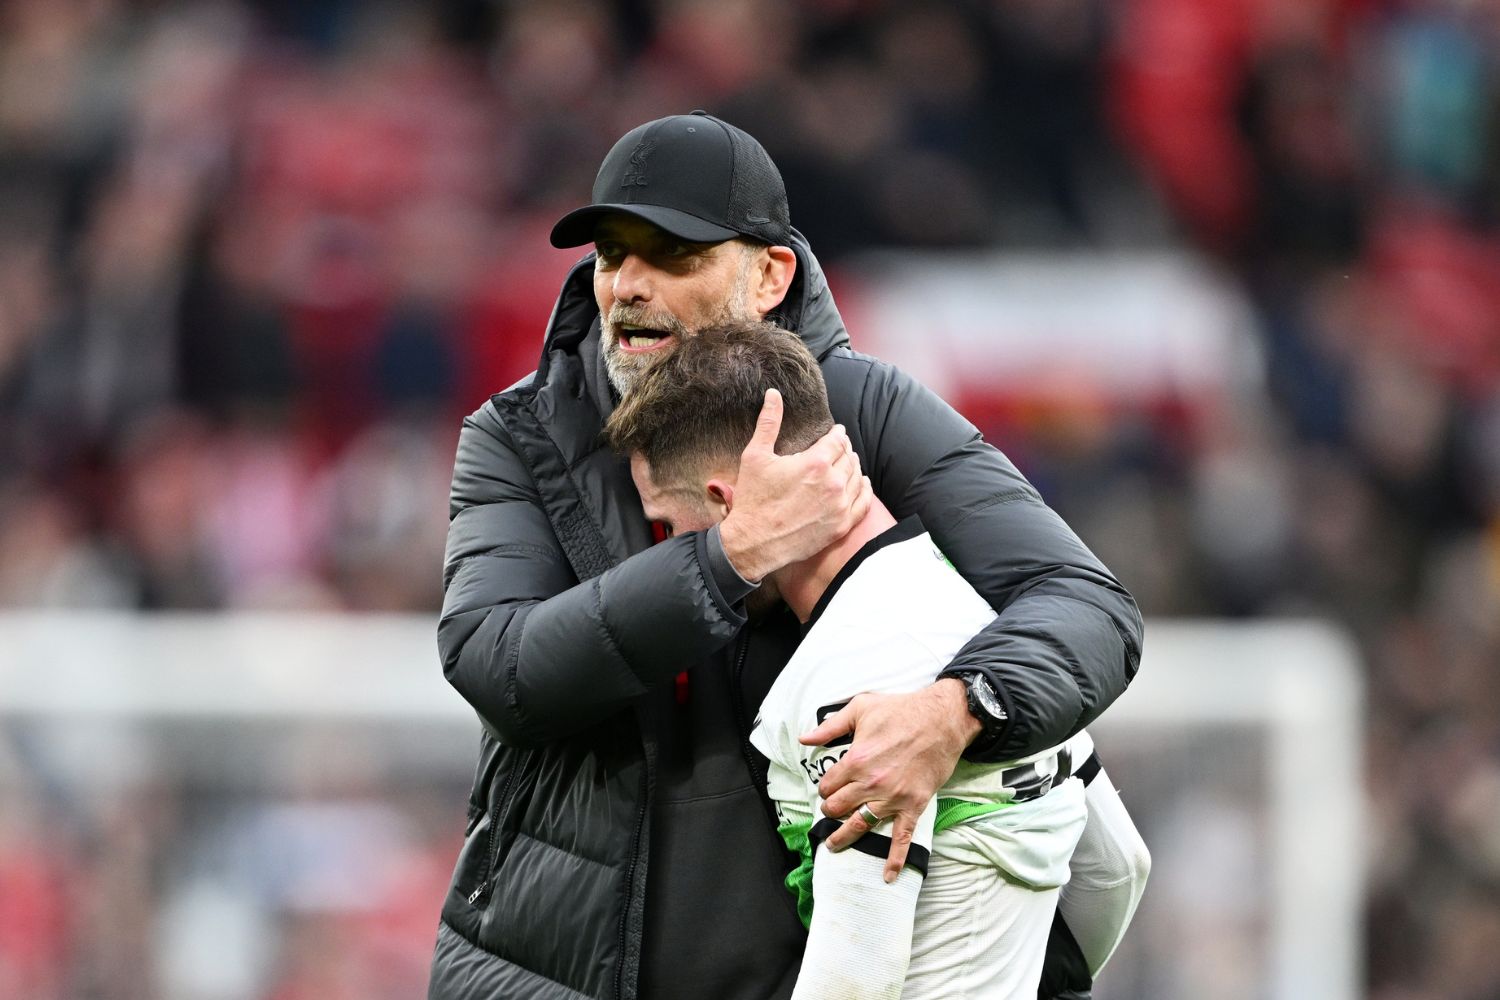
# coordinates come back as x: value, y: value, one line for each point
x: 819, y: 760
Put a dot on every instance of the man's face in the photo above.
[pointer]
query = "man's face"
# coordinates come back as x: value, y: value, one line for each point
x: 679, y: 506
x: 654, y: 289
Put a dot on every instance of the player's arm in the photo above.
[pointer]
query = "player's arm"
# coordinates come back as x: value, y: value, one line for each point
x: 859, y: 927
x: 859, y: 943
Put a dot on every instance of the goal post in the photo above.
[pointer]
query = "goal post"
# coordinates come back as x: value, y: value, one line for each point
x: 1266, y: 720
x: 1237, y: 750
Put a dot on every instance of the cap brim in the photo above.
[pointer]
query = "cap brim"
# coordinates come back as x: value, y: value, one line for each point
x: 577, y: 227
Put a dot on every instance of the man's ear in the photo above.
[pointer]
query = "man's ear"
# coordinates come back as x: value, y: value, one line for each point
x: 774, y: 269
x: 720, y: 496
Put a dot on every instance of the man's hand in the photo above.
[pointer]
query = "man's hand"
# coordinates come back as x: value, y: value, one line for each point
x: 788, y: 507
x: 905, y: 748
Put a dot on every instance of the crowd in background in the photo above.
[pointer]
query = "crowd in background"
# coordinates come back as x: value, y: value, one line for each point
x: 257, y: 260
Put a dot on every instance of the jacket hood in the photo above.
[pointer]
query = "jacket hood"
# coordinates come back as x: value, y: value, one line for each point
x: 808, y: 309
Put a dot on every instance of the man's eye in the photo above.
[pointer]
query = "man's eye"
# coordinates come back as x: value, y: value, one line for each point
x: 676, y: 250
x: 609, y: 251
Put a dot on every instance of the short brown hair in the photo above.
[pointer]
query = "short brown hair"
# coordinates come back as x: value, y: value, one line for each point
x: 699, y: 405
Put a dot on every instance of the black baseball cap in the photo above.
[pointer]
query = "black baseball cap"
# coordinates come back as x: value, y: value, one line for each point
x: 699, y: 178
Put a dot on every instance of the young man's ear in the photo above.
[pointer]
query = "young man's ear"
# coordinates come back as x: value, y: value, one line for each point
x: 720, y: 497
x: 774, y: 269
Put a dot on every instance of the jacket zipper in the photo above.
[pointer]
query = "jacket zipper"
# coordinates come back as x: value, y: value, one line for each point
x: 492, y: 851
x: 635, y: 853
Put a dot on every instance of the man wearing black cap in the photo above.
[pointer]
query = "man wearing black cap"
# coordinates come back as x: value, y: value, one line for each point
x: 619, y: 843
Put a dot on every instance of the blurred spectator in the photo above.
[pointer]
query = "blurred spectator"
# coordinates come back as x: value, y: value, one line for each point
x: 35, y: 915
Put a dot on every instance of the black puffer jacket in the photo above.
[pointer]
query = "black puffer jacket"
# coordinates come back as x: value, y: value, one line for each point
x: 619, y: 841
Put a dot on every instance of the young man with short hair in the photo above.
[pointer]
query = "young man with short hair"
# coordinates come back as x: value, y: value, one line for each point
x: 883, y: 610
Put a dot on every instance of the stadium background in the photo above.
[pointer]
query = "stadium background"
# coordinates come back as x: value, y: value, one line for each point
x: 257, y: 260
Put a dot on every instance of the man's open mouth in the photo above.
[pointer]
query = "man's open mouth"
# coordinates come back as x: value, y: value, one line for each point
x: 640, y: 338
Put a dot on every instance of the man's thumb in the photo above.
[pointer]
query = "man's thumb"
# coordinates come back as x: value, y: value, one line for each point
x: 768, y: 424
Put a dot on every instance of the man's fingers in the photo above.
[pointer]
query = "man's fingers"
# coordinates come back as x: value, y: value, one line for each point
x: 901, y: 835
x: 831, y: 446
x: 767, y: 425
x: 847, y: 465
x: 866, y: 491
x: 840, y: 723
x: 864, y: 497
x: 841, y: 794
x: 848, y: 832
x: 903, y: 827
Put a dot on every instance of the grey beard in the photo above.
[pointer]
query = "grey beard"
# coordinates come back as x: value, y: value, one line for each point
x: 622, y: 375
x: 624, y: 370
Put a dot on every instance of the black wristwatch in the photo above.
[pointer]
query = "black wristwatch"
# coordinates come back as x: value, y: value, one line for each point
x: 985, y: 705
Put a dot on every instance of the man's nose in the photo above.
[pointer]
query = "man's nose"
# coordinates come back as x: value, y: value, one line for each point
x: 633, y: 280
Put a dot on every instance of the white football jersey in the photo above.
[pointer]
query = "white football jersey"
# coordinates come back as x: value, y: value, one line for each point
x: 894, y: 617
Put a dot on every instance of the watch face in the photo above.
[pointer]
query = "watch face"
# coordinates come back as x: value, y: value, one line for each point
x: 984, y: 694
